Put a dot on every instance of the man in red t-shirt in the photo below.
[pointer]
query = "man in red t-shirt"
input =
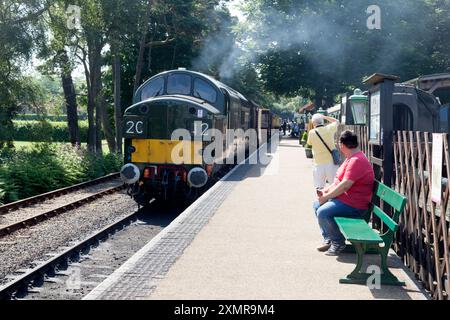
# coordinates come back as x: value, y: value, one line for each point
x: 348, y: 196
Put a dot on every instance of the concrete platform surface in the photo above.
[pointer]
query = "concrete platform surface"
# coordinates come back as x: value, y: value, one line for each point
x: 261, y: 244
x: 252, y: 237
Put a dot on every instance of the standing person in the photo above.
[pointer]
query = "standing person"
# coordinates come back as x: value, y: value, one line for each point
x: 348, y: 196
x: 284, y: 127
x: 324, y: 169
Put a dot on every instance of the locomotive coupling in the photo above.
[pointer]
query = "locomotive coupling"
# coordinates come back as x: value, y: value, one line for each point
x: 130, y: 173
x: 197, y: 177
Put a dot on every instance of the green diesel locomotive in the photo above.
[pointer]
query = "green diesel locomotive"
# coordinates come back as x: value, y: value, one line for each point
x: 161, y: 164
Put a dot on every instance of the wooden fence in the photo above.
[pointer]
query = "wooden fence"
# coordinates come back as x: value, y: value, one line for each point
x: 423, y: 239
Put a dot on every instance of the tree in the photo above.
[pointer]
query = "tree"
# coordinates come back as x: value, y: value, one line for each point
x: 20, y: 29
x: 329, y: 48
x: 58, y: 62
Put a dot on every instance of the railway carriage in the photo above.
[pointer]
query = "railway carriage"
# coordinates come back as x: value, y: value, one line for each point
x: 182, y: 99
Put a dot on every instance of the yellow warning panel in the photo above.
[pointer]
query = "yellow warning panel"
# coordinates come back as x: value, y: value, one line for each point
x: 166, y: 151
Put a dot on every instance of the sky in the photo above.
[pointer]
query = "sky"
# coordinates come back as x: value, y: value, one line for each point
x: 233, y: 6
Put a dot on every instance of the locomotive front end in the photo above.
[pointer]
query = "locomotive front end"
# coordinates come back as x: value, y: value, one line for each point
x: 163, y: 148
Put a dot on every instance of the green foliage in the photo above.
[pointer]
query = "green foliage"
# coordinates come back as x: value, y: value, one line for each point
x: 48, y: 167
x: 46, y: 131
x: 20, y: 29
x: 52, y: 118
x: 329, y: 49
x: 2, y: 192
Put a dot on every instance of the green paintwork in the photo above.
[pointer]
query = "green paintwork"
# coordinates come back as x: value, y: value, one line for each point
x: 385, y: 218
x: 162, y: 118
x: 364, y: 238
x: 357, y: 230
x: 390, y: 196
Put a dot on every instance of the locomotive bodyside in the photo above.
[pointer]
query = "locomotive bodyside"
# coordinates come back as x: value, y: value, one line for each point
x: 195, y: 103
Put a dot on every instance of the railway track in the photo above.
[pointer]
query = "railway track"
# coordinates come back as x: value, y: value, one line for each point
x: 34, y: 281
x: 20, y: 285
x: 53, y: 194
x: 8, y: 228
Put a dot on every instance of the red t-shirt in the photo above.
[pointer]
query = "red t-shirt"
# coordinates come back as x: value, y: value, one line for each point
x: 358, y: 169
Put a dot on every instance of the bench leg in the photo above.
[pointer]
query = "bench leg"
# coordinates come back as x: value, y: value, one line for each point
x: 358, y: 277
x: 388, y: 277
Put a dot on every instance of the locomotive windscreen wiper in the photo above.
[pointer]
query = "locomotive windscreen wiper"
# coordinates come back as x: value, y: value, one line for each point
x: 198, y: 94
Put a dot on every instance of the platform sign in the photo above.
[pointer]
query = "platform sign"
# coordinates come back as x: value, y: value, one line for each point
x: 436, y: 176
x: 375, y: 118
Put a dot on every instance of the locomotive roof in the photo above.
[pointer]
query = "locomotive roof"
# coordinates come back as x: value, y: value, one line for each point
x: 178, y: 98
x: 219, y: 85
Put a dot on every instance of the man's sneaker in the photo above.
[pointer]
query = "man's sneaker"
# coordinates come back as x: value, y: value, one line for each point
x: 335, y: 249
x: 324, y: 246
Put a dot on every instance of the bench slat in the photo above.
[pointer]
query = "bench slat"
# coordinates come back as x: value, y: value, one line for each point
x: 385, y: 218
x: 390, y: 196
x: 357, y: 230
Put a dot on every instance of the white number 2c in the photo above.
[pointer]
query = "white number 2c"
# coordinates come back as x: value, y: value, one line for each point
x: 135, y: 127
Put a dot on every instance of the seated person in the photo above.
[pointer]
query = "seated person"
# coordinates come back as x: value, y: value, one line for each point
x: 348, y: 196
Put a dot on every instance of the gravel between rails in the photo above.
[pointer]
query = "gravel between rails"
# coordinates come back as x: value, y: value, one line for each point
x: 35, y: 209
x: 21, y: 249
x: 94, y: 266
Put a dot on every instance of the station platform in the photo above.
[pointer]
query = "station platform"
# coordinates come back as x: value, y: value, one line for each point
x: 252, y: 236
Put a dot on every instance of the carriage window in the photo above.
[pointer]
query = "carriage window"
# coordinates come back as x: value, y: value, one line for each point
x: 204, y: 91
x: 153, y: 88
x: 179, y: 84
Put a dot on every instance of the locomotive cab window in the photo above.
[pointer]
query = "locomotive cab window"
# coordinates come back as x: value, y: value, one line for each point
x: 153, y: 89
x: 204, y: 91
x: 179, y: 84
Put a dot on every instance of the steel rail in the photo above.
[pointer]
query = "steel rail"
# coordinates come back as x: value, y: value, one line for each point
x: 6, y: 230
x: 22, y: 282
x: 53, y: 194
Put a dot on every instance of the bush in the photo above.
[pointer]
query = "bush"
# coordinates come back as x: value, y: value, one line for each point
x: 48, y: 167
x: 45, y: 131
x: 39, y: 117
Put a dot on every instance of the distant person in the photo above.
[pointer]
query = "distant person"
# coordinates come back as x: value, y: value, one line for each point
x: 284, y: 126
x: 301, y: 127
x: 324, y: 169
x: 348, y: 196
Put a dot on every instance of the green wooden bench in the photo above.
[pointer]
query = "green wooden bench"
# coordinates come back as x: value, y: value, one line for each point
x: 364, y: 238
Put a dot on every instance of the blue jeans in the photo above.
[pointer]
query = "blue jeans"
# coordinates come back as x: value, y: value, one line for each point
x: 325, y: 214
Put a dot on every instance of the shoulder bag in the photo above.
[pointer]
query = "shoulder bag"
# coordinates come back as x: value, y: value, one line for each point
x: 335, y: 154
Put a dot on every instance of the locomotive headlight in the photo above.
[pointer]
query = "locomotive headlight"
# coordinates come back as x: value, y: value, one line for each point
x: 129, y: 173
x: 197, y: 177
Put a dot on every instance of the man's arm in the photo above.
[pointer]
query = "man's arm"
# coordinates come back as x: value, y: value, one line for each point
x: 331, y: 119
x: 332, y: 193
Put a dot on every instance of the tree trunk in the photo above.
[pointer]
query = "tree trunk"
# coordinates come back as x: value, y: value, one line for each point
x: 106, y: 124
x: 94, y: 49
x: 71, y: 105
x: 90, y: 110
x: 140, y: 62
x: 142, y: 44
x: 117, y: 103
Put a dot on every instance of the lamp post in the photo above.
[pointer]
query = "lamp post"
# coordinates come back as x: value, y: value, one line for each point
x: 359, y: 104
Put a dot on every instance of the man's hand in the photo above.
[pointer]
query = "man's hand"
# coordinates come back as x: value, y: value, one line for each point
x: 323, y: 199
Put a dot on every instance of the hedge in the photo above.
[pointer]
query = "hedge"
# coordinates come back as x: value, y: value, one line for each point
x: 46, y: 131
x: 38, y: 117
x: 47, y: 167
